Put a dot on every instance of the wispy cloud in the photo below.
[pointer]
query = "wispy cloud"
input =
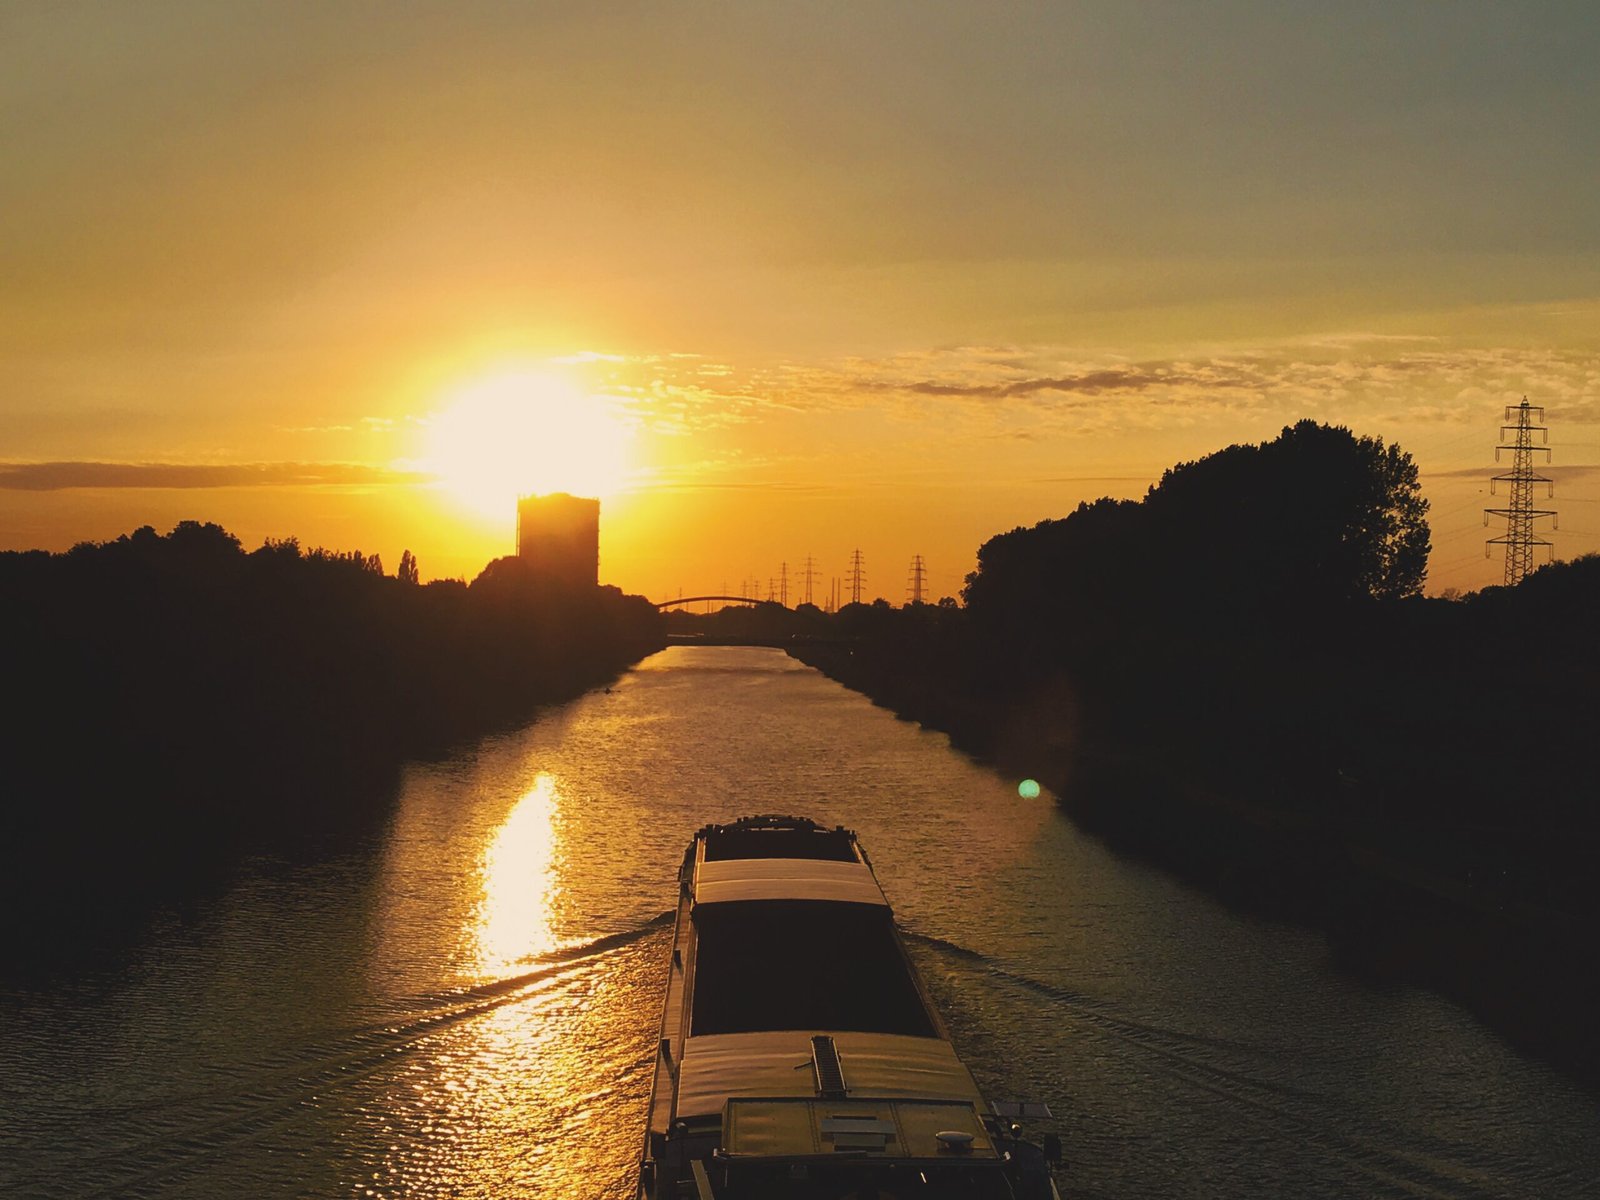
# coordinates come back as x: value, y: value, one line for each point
x: 1090, y: 382
x: 749, y: 485
x: 59, y: 476
x: 1566, y: 473
x: 588, y: 356
x: 1343, y: 376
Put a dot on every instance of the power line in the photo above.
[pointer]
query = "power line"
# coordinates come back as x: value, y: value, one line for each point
x: 1519, y: 538
x: 858, y: 575
x: 919, y: 576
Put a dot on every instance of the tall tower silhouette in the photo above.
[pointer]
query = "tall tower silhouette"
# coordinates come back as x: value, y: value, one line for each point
x: 783, y: 584
x: 1520, y: 514
x: 919, y: 575
x: 559, y: 535
x: 858, y: 575
x: 810, y: 574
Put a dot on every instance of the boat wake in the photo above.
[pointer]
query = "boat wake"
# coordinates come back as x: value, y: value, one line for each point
x: 1113, y: 1064
x: 168, y: 1141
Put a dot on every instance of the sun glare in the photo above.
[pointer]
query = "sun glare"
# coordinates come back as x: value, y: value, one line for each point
x: 519, y: 881
x: 523, y: 431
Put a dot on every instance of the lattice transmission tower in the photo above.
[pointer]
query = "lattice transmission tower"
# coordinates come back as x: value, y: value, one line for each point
x: 919, y: 577
x: 809, y: 574
x: 858, y: 576
x: 1520, y: 514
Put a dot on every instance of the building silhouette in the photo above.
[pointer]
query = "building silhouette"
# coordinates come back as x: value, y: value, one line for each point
x: 559, y: 535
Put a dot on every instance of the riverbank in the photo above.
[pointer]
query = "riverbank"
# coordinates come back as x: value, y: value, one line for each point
x: 1398, y: 903
x: 184, y: 702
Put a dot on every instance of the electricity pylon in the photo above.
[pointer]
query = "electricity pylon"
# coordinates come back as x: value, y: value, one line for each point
x: 858, y: 576
x: 783, y: 584
x: 1520, y: 514
x: 919, y: 574
x: 810, y: 573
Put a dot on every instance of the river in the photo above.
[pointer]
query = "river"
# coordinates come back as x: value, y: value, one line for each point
x: 467, y: 1005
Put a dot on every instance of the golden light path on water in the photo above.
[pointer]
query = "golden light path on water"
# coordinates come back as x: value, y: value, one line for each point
x: 520, y: 882
x: 502, y: 1096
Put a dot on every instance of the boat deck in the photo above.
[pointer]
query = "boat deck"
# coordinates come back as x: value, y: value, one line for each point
x: 779, y: 1064
x: 797, y: 1040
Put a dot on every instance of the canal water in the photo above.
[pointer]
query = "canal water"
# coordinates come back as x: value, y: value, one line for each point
x: 467, y: 1006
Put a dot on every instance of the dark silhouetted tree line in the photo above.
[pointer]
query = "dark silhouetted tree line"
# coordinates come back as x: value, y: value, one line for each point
x: 174, y: 694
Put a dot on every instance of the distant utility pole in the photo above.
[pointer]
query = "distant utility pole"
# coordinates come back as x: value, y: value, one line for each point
x: 858, y: 575
x: 919, y: 575
x: 810, y: 574
x: 1520, y: 514
x: 772, y: 593
x: 783, y: 584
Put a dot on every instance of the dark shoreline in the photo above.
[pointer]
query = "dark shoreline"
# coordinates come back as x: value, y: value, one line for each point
x: 105, y: 891
x: 1523, y: 969
x: 184, y: 704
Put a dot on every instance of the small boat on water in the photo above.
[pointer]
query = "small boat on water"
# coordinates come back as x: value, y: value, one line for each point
x: 800, y: 1057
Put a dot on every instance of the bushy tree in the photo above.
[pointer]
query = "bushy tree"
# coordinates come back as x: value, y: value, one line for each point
x: 1089, y: 561
x: 1317, y: 516
x: 1315, y: 519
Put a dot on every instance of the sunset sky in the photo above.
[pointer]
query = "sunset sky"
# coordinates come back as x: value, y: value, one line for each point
x: 778, y: 279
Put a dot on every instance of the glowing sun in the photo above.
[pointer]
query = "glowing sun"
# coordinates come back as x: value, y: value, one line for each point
x: 521, y: 431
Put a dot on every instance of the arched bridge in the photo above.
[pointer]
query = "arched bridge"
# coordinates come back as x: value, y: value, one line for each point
x: 665, y: 604
x: 746, y: 622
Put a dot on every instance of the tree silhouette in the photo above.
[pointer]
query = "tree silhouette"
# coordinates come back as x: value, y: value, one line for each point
x: 1316, y: 517
x: 228, y: 695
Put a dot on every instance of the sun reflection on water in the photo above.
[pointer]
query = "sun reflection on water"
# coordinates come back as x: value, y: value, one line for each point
x: 519, y: 882
x: 501, y: 1093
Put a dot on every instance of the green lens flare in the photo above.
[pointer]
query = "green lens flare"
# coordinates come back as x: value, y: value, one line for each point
x: 1028, y: 789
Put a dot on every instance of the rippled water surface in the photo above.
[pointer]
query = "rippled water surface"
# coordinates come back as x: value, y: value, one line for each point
x: 467, y: 1006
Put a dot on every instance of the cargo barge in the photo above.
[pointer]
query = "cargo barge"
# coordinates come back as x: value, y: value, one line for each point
x: 800, y: 1057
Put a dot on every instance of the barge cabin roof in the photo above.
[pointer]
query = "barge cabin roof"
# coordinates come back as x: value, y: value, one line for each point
x: 800, y: 1055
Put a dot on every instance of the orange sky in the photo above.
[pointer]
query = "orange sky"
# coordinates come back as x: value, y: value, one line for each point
x: 887, y: 276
